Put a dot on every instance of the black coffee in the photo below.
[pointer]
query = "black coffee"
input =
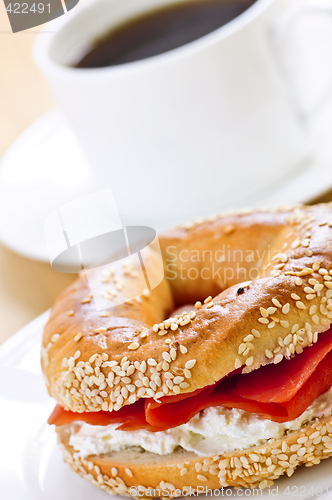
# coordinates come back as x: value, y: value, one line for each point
x: 160, y: 31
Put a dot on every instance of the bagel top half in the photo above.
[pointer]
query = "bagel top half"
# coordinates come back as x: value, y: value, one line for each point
x: 269, y: 273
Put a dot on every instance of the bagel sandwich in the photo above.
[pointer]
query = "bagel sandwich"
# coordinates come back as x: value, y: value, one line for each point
x: 220, y: 376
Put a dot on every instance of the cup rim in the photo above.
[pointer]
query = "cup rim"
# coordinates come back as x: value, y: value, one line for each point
x: 51, y: 67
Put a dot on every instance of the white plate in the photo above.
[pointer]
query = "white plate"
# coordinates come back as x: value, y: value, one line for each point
x: 31, y: 466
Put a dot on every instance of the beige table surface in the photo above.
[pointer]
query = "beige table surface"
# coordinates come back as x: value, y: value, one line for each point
x: 27, y: 288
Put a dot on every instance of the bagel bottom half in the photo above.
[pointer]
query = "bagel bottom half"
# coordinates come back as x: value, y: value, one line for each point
x: 146, y: 474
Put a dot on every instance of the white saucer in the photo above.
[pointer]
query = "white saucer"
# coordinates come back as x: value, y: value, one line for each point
x: 31, y: 466
x: 45, y: 168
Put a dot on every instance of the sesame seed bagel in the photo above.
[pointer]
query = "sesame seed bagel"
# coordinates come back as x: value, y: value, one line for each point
x: 262, y: 286
x: 175, y: 474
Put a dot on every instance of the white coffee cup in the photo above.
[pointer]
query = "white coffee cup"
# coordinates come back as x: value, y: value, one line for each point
x: 207, y: 126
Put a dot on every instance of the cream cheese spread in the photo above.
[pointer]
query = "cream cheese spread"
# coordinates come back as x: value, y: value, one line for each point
x: 214, y: 430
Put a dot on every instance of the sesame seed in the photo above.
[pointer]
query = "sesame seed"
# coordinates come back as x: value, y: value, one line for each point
x: 268, y: 354
x: 295, y: 328
x: 284, y: 324
x: 313, y: 281
x: 86, y: 300
x: 174, y: 326
x: 315, y: 319
x: 104, y: 314
x: 173, y: 353
x: 323, y: 309
x: 183, y: 349
x: 198, y: 304
x: 78, y: 336
x: 100, y: 330
x: 152, y: 362
x: 250, y: 361
x: 278, y: 358
x: 300, y: 305
x: 305, y: 272
x: 248, y: 338
x: 296, y: 243
x: 276, y: 302
x: 185, y: 322
x: 190, y: 364
x: 165, y: 366
x: 242, y: 348
x: 142, y: 367
x: 298, y: 281
x: 255, y: 333
x: 208, y: 299
x: 238, y: 364
x: 133, y: 346
x: 169, y: 384
x: 263, y: 312
x: 201, y: 478
x: 167, y: 357
x: 312, y: 310
x: 128, y: 472
x: 288, y: 339
x: 285, y: 309
x: 316, y: 266
x: 209, y: 305
x: 263, y: 320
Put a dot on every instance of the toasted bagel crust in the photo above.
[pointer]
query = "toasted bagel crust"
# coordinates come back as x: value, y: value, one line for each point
x: 256, y: 467
x: 270, y: 273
